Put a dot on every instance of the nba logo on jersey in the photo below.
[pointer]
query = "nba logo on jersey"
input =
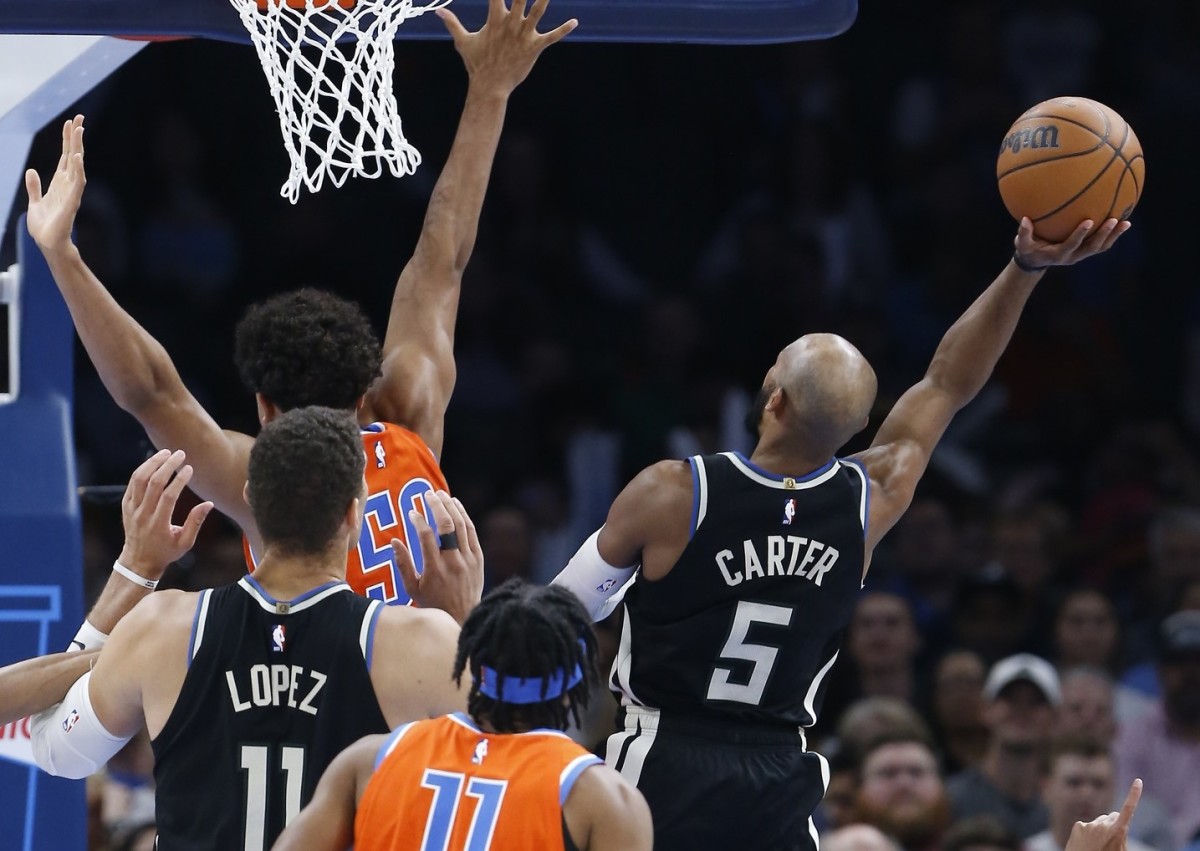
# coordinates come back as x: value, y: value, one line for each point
x: 278, y: 638
x: 380, y: 455
x: 480, y: 752
x: 70, y: 721
x: 789, y: 512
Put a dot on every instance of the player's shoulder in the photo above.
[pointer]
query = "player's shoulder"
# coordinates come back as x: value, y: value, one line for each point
x: 600, y: 794
x: 663, y: 481
x: 165, y: 608
x: 414, y: 627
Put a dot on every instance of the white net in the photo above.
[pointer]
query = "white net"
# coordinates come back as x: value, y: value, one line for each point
x: 329, y: 66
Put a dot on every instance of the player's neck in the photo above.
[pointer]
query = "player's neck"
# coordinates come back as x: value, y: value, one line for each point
x: 286, y: 576
x: 779, y: 456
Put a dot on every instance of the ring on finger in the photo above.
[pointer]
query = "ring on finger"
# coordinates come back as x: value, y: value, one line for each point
x: 448, y: 540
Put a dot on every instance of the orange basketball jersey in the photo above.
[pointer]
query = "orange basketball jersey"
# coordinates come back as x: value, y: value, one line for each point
x: 400, y: 470
x: 445, y: 785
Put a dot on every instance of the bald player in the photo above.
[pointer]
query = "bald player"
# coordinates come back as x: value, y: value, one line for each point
x: 740, y: 574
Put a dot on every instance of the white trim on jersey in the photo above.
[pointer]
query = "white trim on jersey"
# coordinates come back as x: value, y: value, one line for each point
x: 364, y: 632
x: 811, y: 697
x: 298, y: 605
x: 812, y: 826
x: 627, y: 749
x: 201, y: 620
x: 862, y: 500
x: 702, y: 480
x: 788, y: 484
x: 622, y: 664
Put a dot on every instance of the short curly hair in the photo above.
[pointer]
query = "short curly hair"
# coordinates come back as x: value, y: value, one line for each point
x: 307, y: 347
x: 305, y: 468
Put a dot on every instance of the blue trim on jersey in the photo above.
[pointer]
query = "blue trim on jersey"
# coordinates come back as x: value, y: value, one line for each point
x: 195, y: 626
x: 391, y: 740
x: 371, y: 636
x: 867, y: 485
x: 568, y: 782
x: 695, y: 497
x: 373, y: 428
x: 806, y: 477
x: 306, y: 595
x: 464, y: 718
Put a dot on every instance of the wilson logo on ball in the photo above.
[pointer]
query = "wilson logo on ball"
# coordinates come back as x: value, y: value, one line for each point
x: 1045, y: 136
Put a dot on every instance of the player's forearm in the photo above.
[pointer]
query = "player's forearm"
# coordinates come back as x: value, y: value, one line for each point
x: 31, y: 686
x: 971, y: 348
x: 452, y: 219
x: 134, y: 367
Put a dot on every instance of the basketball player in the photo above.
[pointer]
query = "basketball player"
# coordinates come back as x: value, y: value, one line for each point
x: 151, y: 543
x: 505, y: 776
x: 248, y: 691
x: 750, y: 567
x: 312, y: 348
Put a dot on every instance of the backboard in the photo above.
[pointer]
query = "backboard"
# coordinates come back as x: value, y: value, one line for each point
x: 694, y: 21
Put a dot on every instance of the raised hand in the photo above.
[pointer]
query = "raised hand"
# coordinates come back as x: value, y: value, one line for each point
x: 501, y: 54
x: 51, y: 216
x: 152, y: 541
x: 452, y: 579
x: 1087, y: 240
x: 1109, y: 832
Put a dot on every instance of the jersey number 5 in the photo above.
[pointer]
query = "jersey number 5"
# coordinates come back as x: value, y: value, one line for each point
x: 447, y: 795
x: 737, y: 647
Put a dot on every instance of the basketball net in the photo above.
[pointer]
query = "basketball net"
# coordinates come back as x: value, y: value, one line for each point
x: 335, y: 103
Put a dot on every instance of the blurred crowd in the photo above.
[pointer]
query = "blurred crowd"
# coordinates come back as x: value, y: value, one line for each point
x: 661, y: 220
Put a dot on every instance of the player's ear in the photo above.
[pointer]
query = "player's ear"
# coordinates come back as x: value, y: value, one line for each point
x: 267, y: 410
x: 362, y: 400
x: 775, y: 400
x: 246, y: 492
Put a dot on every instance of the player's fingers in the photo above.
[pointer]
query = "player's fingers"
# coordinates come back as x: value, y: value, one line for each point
x: 453, y: 25
x: 468, y: 536
x: 559, y: 33
x: 66, y: 145
x: 1078, y: 236
x: 496, y: 11
x: 141, y: 476
x: 442, y: 519
x: 160, y: 477
x: 536, y: 10
x: 170, y: 494
x: 1131, y: 803
x: 409, y: 577
x: 33, y: 186
x: 191, y: 525
x: 1111, y: 237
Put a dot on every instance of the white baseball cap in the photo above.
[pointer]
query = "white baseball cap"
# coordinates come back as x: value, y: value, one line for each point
x: 1024, y: 666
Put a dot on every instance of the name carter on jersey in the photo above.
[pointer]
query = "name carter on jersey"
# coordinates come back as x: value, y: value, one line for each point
x: 779, y: 548
x: 276, y: 685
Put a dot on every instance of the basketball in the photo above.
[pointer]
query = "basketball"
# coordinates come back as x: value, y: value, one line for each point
x: 1069, y: 159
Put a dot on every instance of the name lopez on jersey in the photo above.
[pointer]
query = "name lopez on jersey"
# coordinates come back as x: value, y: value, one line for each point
x: 783, y: 559
x: 277, y: 685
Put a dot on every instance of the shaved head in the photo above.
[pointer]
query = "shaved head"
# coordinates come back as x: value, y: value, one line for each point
x: 828, y: 391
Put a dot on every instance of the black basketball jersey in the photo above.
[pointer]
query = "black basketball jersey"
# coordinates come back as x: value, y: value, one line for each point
x: 748, y: 622
x: 274, y: 691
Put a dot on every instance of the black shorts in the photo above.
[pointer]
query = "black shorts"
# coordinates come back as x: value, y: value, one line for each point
x: 721, y: 787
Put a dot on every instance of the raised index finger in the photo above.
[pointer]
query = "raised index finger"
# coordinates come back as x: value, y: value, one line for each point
x: 137, y: 482
x: 1131, y: 803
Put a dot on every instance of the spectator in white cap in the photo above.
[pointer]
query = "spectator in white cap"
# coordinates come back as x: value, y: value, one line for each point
x: 1021, y: 699
x: 1162, y: 746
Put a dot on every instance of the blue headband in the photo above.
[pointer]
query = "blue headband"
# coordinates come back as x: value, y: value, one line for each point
x: 528, y: 689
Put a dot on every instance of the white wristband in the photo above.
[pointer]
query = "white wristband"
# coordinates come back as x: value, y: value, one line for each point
x: 133, y: 577
x: 88, y: 638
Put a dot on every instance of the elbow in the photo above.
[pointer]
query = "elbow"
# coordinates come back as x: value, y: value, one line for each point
x: 42, y: 741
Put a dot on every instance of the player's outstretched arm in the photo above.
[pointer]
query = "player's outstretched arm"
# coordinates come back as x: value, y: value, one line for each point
x: 327, y: 823
x: 135, y: 368
x: 961, y: 366
x: 604, y: 812
x: 418, y: 349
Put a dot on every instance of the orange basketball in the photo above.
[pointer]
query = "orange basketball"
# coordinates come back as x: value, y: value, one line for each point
x: 1070, y: 159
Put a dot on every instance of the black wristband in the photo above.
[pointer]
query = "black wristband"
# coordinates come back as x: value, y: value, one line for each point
x: 1025, y: 267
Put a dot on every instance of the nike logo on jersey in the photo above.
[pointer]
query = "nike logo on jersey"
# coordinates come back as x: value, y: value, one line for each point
x: 815, y: 563
x: 277, y: 685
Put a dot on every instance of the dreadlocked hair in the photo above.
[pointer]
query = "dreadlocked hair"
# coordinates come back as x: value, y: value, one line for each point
x: 524, y: 630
